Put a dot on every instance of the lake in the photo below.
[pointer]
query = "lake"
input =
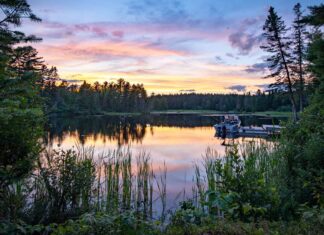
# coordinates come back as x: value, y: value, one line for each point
x: 177, y: 140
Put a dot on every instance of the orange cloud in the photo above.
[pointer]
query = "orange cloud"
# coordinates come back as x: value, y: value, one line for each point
x: 99, y: 51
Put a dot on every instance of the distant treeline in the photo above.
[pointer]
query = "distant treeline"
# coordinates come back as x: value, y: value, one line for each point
x: 121, y: 96
x: 96, y: 98
x: 222, y: 102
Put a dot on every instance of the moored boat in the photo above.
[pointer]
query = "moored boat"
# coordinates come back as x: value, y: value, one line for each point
x: 231, y: 124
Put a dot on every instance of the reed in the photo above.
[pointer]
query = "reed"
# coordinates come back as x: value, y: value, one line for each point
x: 144, y: 185
x: 67, y: 183
x: 161, y: 185
x: 126, y: 188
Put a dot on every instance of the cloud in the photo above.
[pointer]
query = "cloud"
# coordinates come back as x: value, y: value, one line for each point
x: 219, y: 60
x: 162, y: 11
x: 72, y: 80
x: 160, y: 40
x: 103, y: 51
x: 247, y: 35
x: 237, y: 88
x: 230, y: 55
x: 257, y: 68
x: 176, y: 33
x: 263, y: 86
x: 250, y: 21
x: 118, y: 33
x: 188, y: 91
x: 141, y: 72
x: 244, y: 42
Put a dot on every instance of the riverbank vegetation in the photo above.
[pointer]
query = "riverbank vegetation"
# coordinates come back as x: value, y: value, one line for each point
x: 244, y: 192
x: 123, y: 97
x: 253, y: 189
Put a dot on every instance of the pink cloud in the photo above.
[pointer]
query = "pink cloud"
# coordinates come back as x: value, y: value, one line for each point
x: 118, y: 33
x: 118, y: 30
x: 104, y: 50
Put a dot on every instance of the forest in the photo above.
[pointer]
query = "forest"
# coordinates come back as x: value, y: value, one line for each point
x: 257, y: 188
x: 121, y: 96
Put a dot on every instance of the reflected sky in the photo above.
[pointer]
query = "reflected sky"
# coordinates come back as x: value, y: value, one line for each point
x: 178, y: 141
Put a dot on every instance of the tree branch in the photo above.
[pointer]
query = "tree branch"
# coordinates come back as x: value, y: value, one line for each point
x: 8, y: 16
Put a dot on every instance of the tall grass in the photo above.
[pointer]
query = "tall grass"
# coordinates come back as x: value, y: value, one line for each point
x: 113, y: 194
x: 242, y: 184
x: 125, y: 189
x: 162, y: 190
x: 68, y: 183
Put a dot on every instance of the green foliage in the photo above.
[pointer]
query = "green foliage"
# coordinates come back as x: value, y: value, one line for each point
x: 188, y: 215
x: 21, y: 120
x: 97, y: 224
x: 120, y: 96
x: 241, y: 185
x: 122, y: 223
x: 220, y: 102
x: 65, y: 184
x: 298, y: 67
x: 301, y: 146
x: 316, y: 17
x: 228, y: 227
x: 279, y: 61
x: 14, y: 11
x: 21, y: 116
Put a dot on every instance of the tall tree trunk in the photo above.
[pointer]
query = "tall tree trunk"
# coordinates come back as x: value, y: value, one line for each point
x: 301, y: 93
x: 300, y: 71
x: 299, y: 30
x: 301, y: 82
x: 291, y: 93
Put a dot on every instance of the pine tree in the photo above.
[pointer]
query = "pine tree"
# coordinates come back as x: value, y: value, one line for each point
x: 278, y: 44
x: 298, y: 53
x: 13, y: 11
x: 21, y: 115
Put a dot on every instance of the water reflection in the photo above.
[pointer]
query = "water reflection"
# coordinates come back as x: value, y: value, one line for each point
x: 125, y: 130
x: 179, y: 141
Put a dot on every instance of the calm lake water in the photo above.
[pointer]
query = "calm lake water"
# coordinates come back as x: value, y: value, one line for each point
x: 179, y: 141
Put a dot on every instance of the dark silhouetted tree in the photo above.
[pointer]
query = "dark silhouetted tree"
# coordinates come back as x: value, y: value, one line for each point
x: 278, y: 44
x: 21, y: 113
x: 298, y: 53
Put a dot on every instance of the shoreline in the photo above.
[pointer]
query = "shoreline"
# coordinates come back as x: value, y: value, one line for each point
x: 178, y: 112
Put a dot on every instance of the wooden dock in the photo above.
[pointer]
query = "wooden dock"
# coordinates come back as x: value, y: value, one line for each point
x: 253, y: 131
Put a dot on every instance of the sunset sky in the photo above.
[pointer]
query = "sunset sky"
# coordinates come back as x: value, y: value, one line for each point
x: 168, y: 45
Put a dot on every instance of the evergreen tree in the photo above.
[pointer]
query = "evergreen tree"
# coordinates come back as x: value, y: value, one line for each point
x: 299, y: 40
x: 278, y: 44
x: 303, y: 142
x: 21, y: 113
x: 25, y: 59
x: 13, y: 12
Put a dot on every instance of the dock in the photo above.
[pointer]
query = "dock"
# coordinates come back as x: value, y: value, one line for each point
x: 231, y: 127
x: 264, y: 131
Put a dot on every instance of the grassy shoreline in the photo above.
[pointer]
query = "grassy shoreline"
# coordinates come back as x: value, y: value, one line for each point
x: 180, y: 112
x: 214, y: 112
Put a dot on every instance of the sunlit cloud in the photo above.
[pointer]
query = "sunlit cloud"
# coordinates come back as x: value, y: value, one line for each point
x: 167, y: 45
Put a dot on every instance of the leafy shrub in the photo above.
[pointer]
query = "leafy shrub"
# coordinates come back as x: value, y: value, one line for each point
x: 241, y: 185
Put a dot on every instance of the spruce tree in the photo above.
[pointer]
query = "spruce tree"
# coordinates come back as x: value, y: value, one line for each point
x: 279, y: 45
x: 21, y: 114
x: 298, y: 53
